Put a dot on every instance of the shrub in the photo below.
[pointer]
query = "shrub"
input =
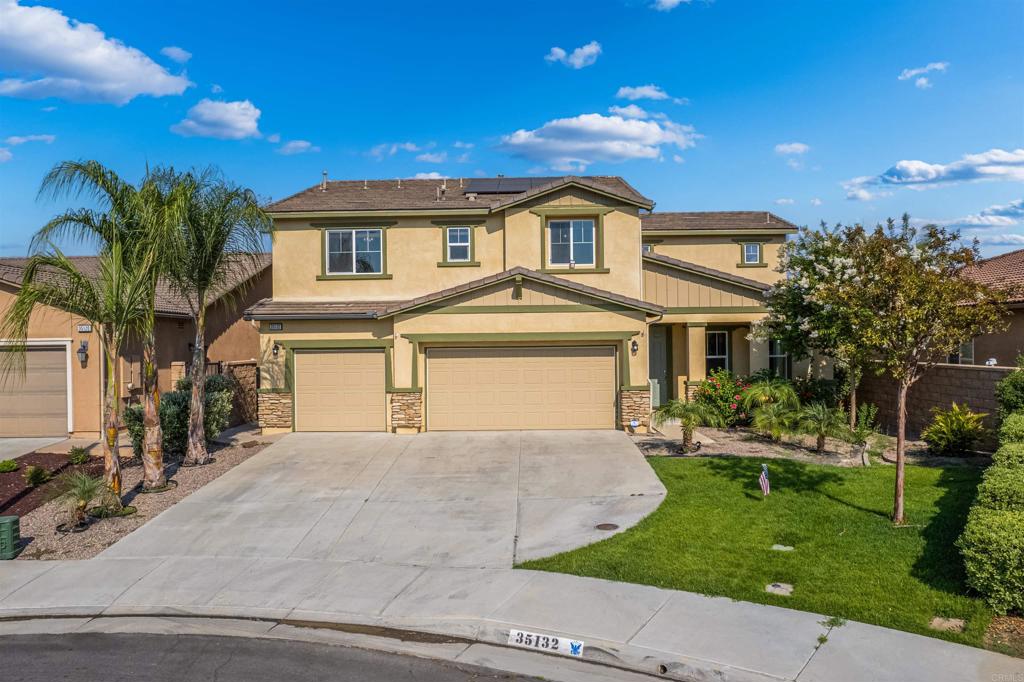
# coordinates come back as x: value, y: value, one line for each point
x: 865, y: 426
x: 955, y: 431
x: 8, y: 465
x: 774, y: 420
x: 1002, y: 488
x: 771, y: 390
x: 821, y: 421
x: 174, y: 407
x: 1010, y: 393
x: 1009, y: 455
x: 76, y: 491
x: 813, y: 390
x: 214, y: 383
x: 174, y: 421
x: 690, y: 415
x: 132, y: 417
x: 78, y: 455
x: 723, y: 392
x: 35, y: 475
x: 1012, y: 428
x: 992, y: 546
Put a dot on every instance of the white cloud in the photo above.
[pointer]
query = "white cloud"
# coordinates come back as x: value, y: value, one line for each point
x: 629, y: 111
x: 15, y: 140
x: 572, y: 144
x: 996, y: 216
x: 784, y: 202
x: 432, y: 157
x: 463, y: 145
x: 649, y: 91
x: 795, y: 163
x: 462, y: 158
x: 297, y: 147
x: 791, y: 148
x: 579, y: 58
x: 907, y: 74
x: 5, y: 155
x: 60, y: 57
x: 668, y: 5
x: 216, y: 89
x: 995, y: 164
x: 391, y: 148
x: 816, y: 201
x: 176, y: 53
x: 274, y: 138
x: 922, y: 83
x: 1001, y: 239
x: 432, y: 175
x: 222, y: 120
x: 48, y: 109
x: 678, y: 159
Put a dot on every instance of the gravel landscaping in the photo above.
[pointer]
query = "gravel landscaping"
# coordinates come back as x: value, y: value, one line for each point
x: 17, y: 498
x: 41, y: 541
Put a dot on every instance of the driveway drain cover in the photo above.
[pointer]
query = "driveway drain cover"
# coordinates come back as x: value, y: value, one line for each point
x: 607, y: 526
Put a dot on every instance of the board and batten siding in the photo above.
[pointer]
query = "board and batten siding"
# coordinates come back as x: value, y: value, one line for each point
x: 677, y: 289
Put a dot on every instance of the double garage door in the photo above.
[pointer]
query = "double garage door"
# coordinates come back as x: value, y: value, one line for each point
x: 36, y: 403
x: 467, y: 389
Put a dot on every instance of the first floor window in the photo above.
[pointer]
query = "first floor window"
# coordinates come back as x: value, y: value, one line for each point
x: 778, y: 359
x: 717, y: 356
x: 751, y: 254
x: 965, y: 356
x: 571, y: 242
x: 458, y: 244
x: 354, y: 252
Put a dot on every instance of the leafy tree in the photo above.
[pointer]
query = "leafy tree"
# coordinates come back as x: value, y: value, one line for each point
x: 221, y: 239
x: 821, y: 421
x: 690, y: 415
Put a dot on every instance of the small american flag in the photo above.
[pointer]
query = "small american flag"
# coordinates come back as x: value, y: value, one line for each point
x: 766, y: 487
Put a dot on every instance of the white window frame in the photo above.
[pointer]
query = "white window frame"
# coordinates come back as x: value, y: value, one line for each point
x: 449, y: 244
x: 758, y: 258
x: 725, y: 335
x: 783, y: 357
x: 353, y: 231
x: 572, y: 263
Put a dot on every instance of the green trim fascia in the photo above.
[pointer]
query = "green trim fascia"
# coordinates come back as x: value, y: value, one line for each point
x: 751, y: 265
x: 696, y: 324
x: 483, y: 309
x: 717, y: 233
x: 458, y: 264
x: 623, y: 352
x: 392, y: 389
x: 598, y: 218
x: 456, y: 222
x: 383, y: 274
x: 638, y: 387
x: 710, y: 311
x: 584, y: 211
x: 694, y: 383
x: 523, y: 336
x: 415, y: 363
x: 374, y: 215
x: 752, y: 240
x: 274, y: 390
x: 326, y: 278
x: 353, y: 222
x: 332, y: 344
x: 575, y: 271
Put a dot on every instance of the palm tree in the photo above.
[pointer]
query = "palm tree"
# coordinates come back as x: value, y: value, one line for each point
x: 77, y: 490
x: 112, y: 299
x: 690, y: 415
x: 821, y: 421
x: 773, y: 390
x: 774, y: 419
x: 221, y: 241
x: 145, y: 219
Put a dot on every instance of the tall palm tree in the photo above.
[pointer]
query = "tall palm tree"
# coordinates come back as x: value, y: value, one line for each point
x: 145, y: 219
x: 112, y: 299
x: 222, y: 237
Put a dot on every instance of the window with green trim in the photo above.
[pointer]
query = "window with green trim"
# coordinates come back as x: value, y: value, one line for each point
x: 457, y: 243
x: 571, y: 242
x: 353, y: 252
x: 752, y: 253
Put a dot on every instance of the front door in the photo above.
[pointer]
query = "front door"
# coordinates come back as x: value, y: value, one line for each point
x: 659, y: 365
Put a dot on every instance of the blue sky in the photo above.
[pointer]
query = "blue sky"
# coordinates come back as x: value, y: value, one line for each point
x: 835, y: 111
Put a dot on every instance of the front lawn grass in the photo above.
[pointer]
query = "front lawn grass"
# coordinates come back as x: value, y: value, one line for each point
x: 713, y: 534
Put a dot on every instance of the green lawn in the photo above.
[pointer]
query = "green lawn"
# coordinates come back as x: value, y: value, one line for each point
x: 714, y: 531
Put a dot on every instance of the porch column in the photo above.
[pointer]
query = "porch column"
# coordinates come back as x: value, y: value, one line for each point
x: 758, y: 355
x: 696, y: 351
x: 678, y: 364
x: 740, y: 352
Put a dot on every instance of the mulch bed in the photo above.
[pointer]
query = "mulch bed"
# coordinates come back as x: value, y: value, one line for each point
x: 18, y: 498
x: 1006, y: 634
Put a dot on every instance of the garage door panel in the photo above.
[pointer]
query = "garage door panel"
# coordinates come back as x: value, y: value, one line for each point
x: 36, y: 404
x: 520, y: 388
x: 340, y: 391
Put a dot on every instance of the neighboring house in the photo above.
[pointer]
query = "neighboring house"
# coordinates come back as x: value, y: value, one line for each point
x: 1002, y: 272
x: 60, y: 394
x: 503, y: 303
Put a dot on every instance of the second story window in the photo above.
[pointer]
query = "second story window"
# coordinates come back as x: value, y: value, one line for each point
x: 353, y: 252
x: 751, y: 254
x: 458, y: 244
x: 571, y: 243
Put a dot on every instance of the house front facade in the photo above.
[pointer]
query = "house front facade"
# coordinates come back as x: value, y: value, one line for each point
x: 503, y: 303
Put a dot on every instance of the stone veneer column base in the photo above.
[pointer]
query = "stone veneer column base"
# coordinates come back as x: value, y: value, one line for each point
x: 406, y: 412
x: 275, y: 411
x: 635, y: 405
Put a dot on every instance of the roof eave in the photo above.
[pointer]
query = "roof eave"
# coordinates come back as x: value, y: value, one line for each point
x: 707, y: 232
x: 647, y: 203
x: 281, y: 317
x: 378, y: 213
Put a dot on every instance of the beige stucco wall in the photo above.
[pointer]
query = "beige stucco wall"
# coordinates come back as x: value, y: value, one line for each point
x: 1004, y: 346
x: 50, y: 323
x: 721, y: 252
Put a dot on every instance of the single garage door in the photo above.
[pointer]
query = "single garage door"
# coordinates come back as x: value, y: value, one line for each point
x: 520, y: 388
x: 339, y: 390
x: 36, y: 404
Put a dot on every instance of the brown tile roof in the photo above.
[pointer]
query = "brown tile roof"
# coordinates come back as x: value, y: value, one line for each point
x: 702, y: 270
x: 1002, y: 272
x: 268, y: 309
x: 396, y: 195
x: 168, y: 302
x: 715, y: 220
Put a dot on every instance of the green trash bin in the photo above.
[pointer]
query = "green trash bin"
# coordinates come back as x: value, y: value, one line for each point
x: 10, y: 536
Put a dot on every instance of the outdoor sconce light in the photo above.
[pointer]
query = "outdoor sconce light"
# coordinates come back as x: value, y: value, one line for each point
x: 275, y: 350
x: 83, y: 352
x: 634, y: 346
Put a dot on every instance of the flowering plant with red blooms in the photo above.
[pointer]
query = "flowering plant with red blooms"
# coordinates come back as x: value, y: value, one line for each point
x: 724, y: 393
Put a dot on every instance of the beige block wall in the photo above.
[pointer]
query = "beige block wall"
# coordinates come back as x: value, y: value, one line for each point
x: 721, y: 253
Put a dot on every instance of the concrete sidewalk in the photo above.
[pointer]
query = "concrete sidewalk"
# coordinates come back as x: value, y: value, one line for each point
x: 676, y: 635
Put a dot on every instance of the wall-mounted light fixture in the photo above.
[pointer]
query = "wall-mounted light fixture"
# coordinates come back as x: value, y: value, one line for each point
x: 83, y: 352
x: 634, y: 347
x: 275, y: 350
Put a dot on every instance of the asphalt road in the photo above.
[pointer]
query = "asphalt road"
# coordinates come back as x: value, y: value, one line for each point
x: 188, y: 658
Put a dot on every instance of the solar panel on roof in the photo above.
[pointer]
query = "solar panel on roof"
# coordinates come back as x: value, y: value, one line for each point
x: 483, y: 185
x: 504, y: 185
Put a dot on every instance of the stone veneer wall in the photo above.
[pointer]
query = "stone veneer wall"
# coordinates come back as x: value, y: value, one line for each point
x: 939, y: 387
x: 406, y: 411
x: 275, y: 409
x: 245, y: 409
x: 635, y: 405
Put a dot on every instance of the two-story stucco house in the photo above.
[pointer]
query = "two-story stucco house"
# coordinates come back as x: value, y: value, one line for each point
x: 503, y: 303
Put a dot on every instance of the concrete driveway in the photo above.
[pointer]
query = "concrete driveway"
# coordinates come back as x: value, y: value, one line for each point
x: 16, y: 447
x: 464, y: 499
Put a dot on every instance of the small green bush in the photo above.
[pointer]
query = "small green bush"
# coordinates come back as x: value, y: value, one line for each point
x: 1010, y: 393
x: 1010, y: 455
x: 775, y: 420
x: 1012, y: 428
x: 78, y: 455
x: 174, y: 408
x: 992, y: 546
x: 955, y: 431
x: 35, y: 475
x: 214, y: 383
x: 1002, y: 488
x: 8, y: 465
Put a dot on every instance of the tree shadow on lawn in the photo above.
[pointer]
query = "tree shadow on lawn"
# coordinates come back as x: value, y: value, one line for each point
x: 940, y: 565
